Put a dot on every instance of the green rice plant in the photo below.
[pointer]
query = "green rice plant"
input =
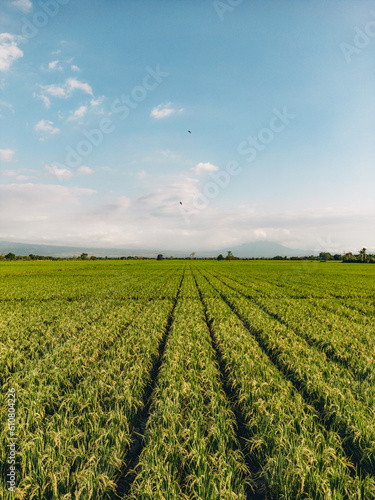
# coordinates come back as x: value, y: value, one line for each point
x: 351, y: 345
x: 296, y: 457
x: 76, y: 447
x: 191, y: 450
x: 81, y: 342
x: 343, y: 402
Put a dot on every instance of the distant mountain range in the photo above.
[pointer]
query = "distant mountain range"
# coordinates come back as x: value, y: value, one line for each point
x: 253, y: 249
x: 266, y: 249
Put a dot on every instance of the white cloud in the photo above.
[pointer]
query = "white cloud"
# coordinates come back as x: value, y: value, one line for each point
x: 97, y: 102
x: 93, y: 106
x: 46, y: 126
x: 9, y: 173
x: 164, y: 110
x: 60, y: 173
x: 83, y: 170
x: 73, y: 83
x: 9, y: 51
x: 6, y: 105
x: 24, y: 177
x: 17, y: 175
x: 201, y: 168
x: 63, y: 91
x: 44, y: 98
x: 54, y: 66
x: 24, y: 5
x: 65, y: 174
x: 71, y: 215
x: 74, y: 67
x: 56, y: 90
x: 6, y: 154
x: 42, y: 209
x: 164, y: 197
x: 78, y: 114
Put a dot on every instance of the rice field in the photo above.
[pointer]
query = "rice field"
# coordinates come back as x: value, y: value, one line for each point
x: 187, y: 380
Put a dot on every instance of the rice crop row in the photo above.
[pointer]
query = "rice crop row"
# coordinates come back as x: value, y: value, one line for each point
x: 190, y: 449
x: 294, y: 456
x: 350, y: 344
x: 189, y: 380
x: 345, y: 404
x: 73, y: 444
x: 30, y: 332
x: 78, y: 402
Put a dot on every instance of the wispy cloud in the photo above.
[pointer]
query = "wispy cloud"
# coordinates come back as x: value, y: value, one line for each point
x: 8, y: 173
x: 62, y: 91
x: 93, y: 106
x: 84, y: 170
x: 23, y: 178
x: 32, y: 203
x: 60, y: 173
x: 46, y: 100
x: 18, y: 176
x: 202, y: 168
x: 97, y: 101
x: 55, y: 90
x: 47, y: 127
x: 154, y: 220
x: 54, y: 66
x: 78, y: 114
x: 6, y: 105
x: 73, y: 83
x: 65, y: 174
x: 6, y: 154
x: 24, y: 5
x: 164, y: 110
x: 74, y: 67
x: 9, y: 51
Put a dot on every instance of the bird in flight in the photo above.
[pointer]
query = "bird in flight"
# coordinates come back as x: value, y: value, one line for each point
x: 189, y: 131
x: 180, y: 202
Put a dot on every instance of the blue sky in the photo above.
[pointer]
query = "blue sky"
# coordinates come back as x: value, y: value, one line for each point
x: 97, y: 99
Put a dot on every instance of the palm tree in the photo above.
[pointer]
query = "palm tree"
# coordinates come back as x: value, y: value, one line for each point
x: 363, y: 254
x: 230, y: 256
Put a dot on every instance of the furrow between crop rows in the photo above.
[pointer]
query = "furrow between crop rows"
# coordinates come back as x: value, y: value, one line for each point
x: 295, y: 456
x: 342, y: 343
x: 191, y: 450
x: 321, y: 383
x: 126, y: 475
x: 255, y: 486
x: 61, y: 415
x: 50, y: 335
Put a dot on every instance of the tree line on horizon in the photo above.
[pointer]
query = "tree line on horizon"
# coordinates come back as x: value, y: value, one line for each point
x: 348, y: 257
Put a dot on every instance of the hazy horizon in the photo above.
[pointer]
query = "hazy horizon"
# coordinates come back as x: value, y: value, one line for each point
x: 146, y: 124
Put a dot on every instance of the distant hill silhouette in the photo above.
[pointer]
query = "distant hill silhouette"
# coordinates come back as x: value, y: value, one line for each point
x: 266, y: 249
x: 253, y: 249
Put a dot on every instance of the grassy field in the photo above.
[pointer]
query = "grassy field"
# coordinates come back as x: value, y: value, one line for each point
x: 187, y: 380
